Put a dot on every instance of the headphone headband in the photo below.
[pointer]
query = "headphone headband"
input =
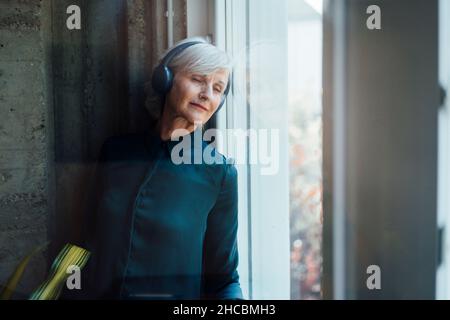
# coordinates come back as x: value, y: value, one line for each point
x: 175, y: 51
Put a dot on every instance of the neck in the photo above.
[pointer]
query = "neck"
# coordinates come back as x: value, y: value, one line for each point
x: 170, y: 122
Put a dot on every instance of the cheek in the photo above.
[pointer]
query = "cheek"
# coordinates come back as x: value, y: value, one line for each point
x: 182, y: 93
x: 187, y: 90
x: 186, y: 93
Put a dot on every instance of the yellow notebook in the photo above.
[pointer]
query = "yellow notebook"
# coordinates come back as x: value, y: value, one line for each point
x: 70, y: 255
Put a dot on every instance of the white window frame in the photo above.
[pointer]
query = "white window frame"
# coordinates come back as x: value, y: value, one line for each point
x: 263, y: 234
x: 443, y: 219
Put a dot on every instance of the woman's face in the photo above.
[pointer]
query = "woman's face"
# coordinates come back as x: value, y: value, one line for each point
x: 195, y: 97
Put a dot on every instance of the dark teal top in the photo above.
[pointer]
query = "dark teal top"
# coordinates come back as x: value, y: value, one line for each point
x: 160, y: 230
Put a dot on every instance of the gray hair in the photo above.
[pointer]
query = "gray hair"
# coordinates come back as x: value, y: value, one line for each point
x: 203, y: 58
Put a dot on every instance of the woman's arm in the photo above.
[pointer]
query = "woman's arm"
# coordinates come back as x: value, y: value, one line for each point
x: 220, y: 279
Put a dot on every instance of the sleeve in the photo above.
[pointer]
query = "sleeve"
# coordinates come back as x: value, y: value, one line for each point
x: 220, y: 279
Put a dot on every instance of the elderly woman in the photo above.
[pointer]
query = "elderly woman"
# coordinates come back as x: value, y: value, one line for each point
x: 156, y: 229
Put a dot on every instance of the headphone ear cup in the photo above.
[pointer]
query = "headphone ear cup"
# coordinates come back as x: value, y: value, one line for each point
x: 162, y: 79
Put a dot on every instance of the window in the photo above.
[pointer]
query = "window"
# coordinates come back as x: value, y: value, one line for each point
x: 277, y: 88
x: 255, y: 34
x: 268, y: 82
x: 379, y: 188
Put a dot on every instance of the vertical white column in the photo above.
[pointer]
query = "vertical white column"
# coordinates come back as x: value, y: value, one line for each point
x: 268, y: 110
x: 443, y: 218
x: 169, y: 23
x: 339, y: 147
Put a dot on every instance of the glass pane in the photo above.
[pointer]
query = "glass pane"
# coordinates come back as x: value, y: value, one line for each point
x: 305, y: 146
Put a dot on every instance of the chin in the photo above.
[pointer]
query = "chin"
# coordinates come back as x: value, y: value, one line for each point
x: 200, y: 121
x: 194, y: 117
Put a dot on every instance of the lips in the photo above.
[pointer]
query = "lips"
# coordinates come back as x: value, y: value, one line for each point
x: 199, y: 106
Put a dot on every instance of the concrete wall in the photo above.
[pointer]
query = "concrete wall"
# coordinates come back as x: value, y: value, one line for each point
x: 25, y: 129
x: 62, y: 93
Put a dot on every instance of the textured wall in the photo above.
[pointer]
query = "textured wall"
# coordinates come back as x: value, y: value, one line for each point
x: 62, y: 93
x: 25, y: 102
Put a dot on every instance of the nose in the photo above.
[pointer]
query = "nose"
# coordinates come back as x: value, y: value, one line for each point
x: 206, y: 92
